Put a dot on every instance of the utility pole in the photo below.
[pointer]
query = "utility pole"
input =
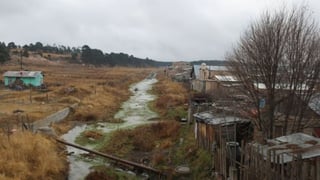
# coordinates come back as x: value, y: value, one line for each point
x: 21, y: 59
x: 30, y: 96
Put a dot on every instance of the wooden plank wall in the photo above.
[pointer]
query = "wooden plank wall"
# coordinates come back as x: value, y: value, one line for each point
x: 205, y: 136
x: 255, y: 166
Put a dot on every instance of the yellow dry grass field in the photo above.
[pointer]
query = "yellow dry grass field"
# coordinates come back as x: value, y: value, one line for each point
x: 99, y: 91
x: 171, y: 95
x: 36, y: 158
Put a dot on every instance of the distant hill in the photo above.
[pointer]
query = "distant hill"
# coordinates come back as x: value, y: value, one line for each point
x: 80, y: 55
x: 88, y: 55
x: 97, y: 57
x: 210, y: 62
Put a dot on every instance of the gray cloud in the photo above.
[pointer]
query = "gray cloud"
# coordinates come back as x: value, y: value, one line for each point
x: 158, y: 29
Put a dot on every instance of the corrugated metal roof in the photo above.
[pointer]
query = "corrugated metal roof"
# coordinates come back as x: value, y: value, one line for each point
x: 226, y: 78
x: 210, y: 68
x: 209, y: 118
x: 21, y: 73
x: 280, y: 86
x: 291, y: 145
x: 217, y: 68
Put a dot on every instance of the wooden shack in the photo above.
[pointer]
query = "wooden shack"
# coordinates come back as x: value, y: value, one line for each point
x: 222, y: 134
x: 295, y: 156
x: 210, y: 127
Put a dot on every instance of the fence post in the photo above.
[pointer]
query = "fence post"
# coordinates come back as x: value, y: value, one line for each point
x: 318, y: 168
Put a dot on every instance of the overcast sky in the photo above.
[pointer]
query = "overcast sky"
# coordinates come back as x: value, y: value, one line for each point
x: 166, y: 30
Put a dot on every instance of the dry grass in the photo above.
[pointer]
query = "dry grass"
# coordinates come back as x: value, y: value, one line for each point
x: 166, y: 144
x: 29, y: 156
x: 170, y: 95
x: 143, y: 138
x: 99, y: 92
x: 93, y: 134
x: 153, y: 140
x: 63, y: 127
x: 158, y: 158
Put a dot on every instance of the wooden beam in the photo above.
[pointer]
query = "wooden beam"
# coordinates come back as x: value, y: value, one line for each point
x: 137, y: 165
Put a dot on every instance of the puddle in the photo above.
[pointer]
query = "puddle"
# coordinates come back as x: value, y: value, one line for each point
x: 134, y: 112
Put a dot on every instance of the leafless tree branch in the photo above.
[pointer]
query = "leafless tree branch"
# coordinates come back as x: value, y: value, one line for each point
x: 281, y: 51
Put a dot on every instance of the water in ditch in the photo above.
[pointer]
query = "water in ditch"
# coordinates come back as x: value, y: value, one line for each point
x: 134, y: 112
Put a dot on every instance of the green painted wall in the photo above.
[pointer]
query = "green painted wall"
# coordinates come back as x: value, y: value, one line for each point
x: 34, y: 81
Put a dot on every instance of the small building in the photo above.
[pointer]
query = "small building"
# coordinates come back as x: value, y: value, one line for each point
x: 181, y: 65
x: 213, y: 79
x: 34, y: 78
x: 295, y: 156
x: 211, y: 127
x: 179, y: 71
x: 222, y: 134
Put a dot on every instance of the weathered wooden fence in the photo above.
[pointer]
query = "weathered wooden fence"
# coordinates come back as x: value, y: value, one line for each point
x: 225, y: 151
x: 256, y: 164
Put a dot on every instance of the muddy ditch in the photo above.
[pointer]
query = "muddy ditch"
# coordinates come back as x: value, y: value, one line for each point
x: 134, y: 112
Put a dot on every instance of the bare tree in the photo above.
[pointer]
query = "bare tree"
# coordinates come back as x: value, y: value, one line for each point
x: 278, y: 60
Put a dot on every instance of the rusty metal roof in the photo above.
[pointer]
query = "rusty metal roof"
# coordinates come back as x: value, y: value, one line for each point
x: 288, y: 147
x: 22, y: 73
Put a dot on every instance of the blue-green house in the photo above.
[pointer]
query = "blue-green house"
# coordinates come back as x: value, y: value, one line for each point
x: 34, y: 78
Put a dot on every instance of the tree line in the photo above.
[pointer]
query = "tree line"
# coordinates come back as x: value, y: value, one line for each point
x: 97, y: 57
x: 4, y: 52
x: 83, y: 54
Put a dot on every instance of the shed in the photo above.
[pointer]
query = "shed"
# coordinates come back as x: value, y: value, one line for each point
x: 294, y: 156
x: 34, y: 78
x: 211, y: 127
x: 222, y: 134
